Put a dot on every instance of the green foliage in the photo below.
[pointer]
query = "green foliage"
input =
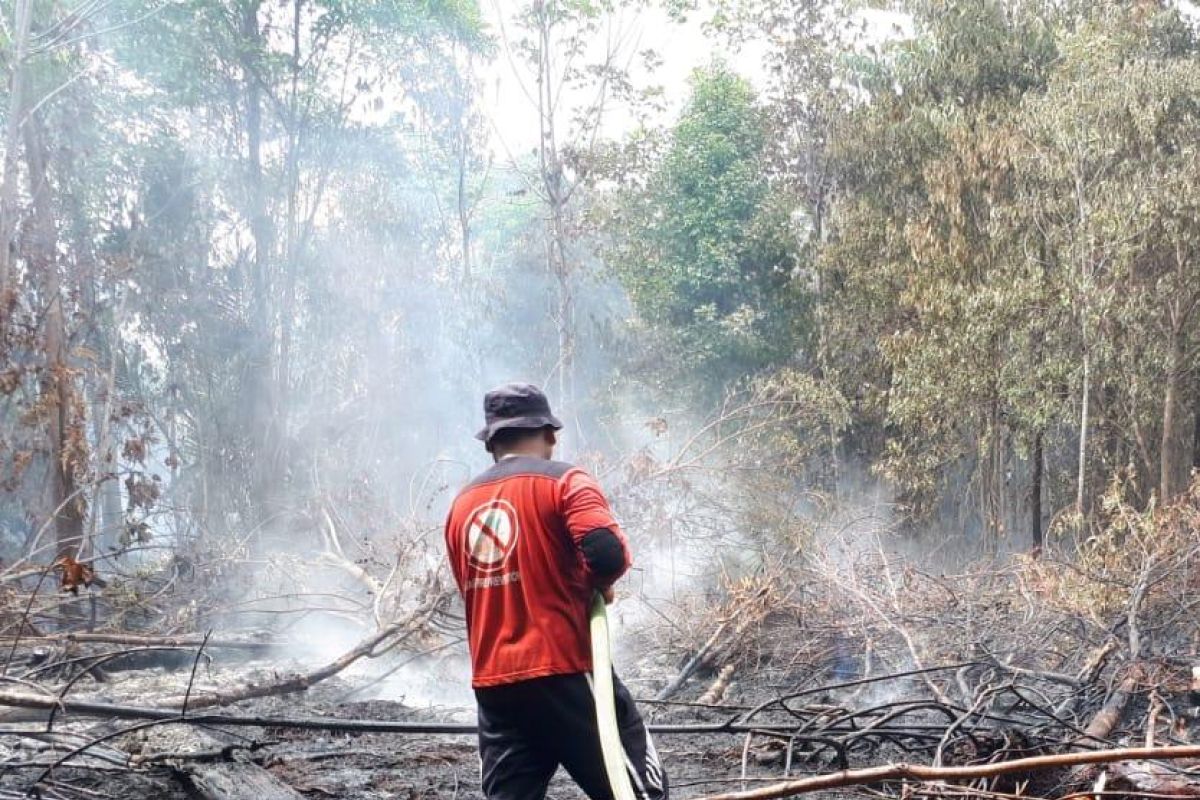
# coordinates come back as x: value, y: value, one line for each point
x: 925, y: 262
x: 706, y: 249
x: 1005, y: 204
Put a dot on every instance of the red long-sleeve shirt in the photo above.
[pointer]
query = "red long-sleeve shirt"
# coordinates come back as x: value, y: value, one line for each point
x: 513, y: 536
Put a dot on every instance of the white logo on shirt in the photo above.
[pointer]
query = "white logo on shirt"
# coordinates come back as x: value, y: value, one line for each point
x: 491, y: 534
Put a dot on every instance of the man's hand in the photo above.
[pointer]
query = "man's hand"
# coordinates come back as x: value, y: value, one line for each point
x: 608, y: 595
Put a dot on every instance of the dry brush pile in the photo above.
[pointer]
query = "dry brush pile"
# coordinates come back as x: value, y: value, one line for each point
x: 1007, y: 677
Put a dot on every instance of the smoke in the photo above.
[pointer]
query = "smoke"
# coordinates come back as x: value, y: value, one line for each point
x: 442, y: 683
x: 401, y: 319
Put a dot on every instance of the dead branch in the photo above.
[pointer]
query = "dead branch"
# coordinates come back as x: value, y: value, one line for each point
x: 716, y: 692
x: 138, y: 640
x: 390, y: 636
x: 237, y: 781
x: 916, y: 772
x: 114, y: 711
x: 1106, y: 719
x: 335, y: 556
x: 750, y: 604
x: 216, y: 770
x: 691, y: 666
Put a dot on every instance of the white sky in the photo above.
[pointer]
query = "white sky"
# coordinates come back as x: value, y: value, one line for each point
x: 682, y: 48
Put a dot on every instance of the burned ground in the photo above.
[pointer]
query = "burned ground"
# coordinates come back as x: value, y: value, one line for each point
x: 1002, y: 678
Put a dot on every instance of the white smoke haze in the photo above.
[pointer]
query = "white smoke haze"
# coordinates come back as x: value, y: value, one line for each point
x: 397, y: 330
x: 294, y: 244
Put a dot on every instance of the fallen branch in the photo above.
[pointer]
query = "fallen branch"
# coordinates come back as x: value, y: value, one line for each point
x: 916, y: 772
x: 139, y: 641
x: 215, y: 772
x: 238, y: 781
x: 335, y: 556
x: 716, y: 692
x: 691, y: 666
x: 112, y: 711
x: 1106, y: 719
x: 1105, y: 722
x: 392, y: 635
x: 747, y: 613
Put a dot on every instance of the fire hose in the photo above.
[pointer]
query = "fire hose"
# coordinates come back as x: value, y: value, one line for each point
x: 606, y: 703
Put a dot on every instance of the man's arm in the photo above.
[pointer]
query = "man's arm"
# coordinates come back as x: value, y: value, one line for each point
x: 590, y: 523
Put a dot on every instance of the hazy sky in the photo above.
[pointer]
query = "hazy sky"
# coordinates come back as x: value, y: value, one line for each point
x: 682, y: 48
x: 511, y: 104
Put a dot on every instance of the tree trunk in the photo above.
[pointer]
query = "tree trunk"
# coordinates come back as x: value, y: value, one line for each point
x: 1196, y: 423
x: 66, y: 436
x: 1035, y: 494
x: 291, y: 232
x: 464, y: 226
x: 12, y: 137
x: 106, y: 502
x: 1173, y: 452
x: 1081, y: 480
x: 1085, y: 297
x: 263, y: 405
x: 463, y: 201
x: 993, y: 482
x: 556, y: 191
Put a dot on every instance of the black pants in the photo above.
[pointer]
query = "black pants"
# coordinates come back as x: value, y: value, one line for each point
x: 528, y: 729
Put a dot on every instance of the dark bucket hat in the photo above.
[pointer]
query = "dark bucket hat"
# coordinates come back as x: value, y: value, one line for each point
x: 515, y: 405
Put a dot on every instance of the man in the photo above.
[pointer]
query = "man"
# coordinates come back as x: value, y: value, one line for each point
x: 531, y: 541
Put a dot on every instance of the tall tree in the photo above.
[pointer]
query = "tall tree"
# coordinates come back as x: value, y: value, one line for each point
x: 22, y: 19
x: 704, y: 244
x: 570, y: 58
x: 281, y: 86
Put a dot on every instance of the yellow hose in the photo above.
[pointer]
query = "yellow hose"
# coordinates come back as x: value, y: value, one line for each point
x: 606, y: 704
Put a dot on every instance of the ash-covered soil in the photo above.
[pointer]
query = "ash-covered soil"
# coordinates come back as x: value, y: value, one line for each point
x: 154, y: 763
x: 378, y: 766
